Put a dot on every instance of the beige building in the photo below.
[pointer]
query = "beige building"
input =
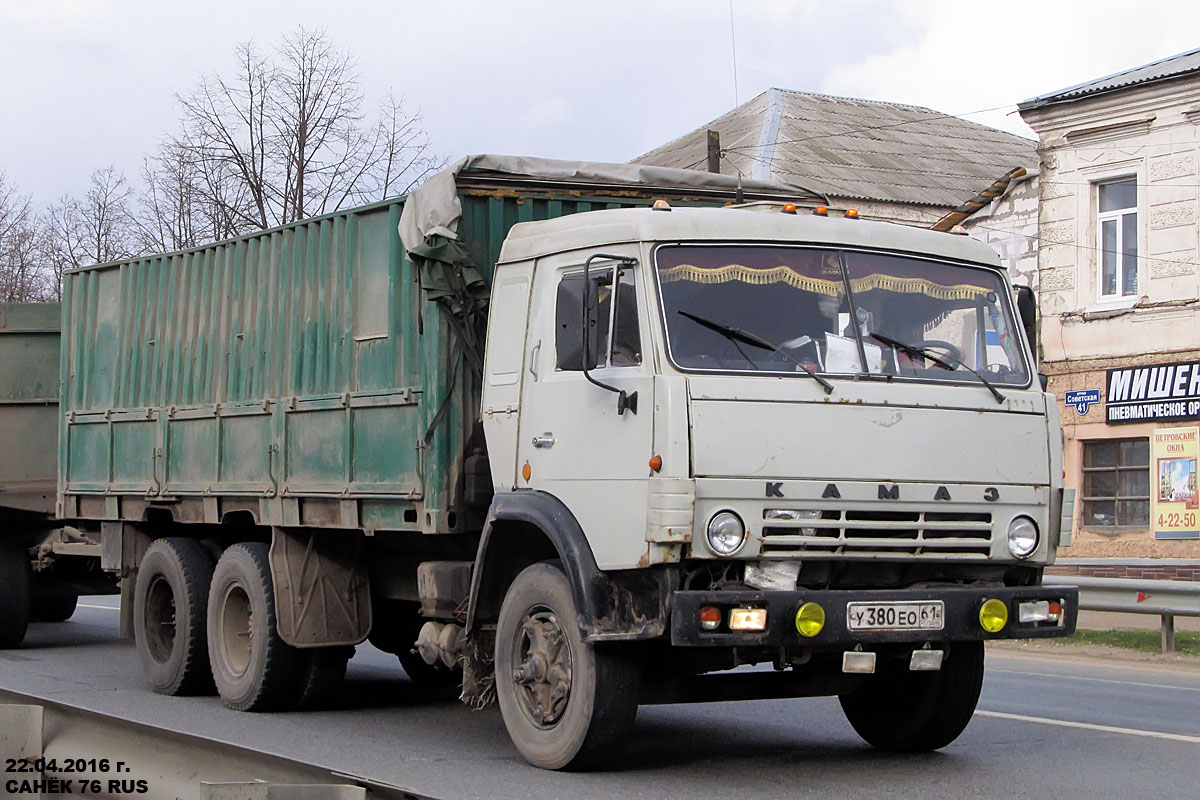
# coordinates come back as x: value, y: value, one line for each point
x: 1118, y: 292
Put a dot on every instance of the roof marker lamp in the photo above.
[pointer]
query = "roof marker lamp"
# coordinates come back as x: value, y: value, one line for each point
x: 821, y: 211
x: 851, y: 213
x: 789, y: 208
x: 726, y: 533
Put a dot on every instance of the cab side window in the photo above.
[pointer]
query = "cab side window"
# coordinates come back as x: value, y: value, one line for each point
x: 627, y: 340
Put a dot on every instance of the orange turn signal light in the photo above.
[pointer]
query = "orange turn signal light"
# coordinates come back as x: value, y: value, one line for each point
x: 710, y: 618
x: 526, y: 472
x: 821, y: 211
x: 656, y: 463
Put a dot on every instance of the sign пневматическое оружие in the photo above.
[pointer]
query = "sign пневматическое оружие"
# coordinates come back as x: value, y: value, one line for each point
x: 1156, y: 393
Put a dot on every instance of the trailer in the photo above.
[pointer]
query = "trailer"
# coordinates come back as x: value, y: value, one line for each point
x: 44, y: 567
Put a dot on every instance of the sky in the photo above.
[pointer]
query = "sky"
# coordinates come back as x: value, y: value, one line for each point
x: 91, y: 83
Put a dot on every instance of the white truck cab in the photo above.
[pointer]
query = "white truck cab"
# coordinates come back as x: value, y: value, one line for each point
x: 783, y: 436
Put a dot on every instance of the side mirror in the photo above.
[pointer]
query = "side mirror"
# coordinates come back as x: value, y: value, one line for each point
x: 1027, y: 311
x: 570, y: 345
x: 625, y: 402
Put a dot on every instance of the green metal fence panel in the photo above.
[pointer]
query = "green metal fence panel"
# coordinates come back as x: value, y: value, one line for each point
x: 29, y: 340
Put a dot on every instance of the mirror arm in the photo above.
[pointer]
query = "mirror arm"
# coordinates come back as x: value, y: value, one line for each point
x: 624, y: 401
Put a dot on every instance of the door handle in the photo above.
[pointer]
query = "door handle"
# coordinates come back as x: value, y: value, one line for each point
x: 545, y: 440
x: 533, y: 357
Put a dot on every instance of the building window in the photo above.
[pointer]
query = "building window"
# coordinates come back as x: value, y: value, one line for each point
x: 1118, y: 231
x: 1116, y: 483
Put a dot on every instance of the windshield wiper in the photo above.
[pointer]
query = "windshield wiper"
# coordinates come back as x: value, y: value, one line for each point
x: 754, y: 340
x: 939, y: 360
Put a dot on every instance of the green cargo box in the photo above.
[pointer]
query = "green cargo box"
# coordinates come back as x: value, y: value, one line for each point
x: 306, y: 375
x: 28, y: 407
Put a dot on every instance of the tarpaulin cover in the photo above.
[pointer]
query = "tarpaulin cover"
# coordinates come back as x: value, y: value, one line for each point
x: 429, y: 222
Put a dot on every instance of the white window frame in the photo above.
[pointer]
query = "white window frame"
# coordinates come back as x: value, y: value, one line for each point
x: 1117, y: 217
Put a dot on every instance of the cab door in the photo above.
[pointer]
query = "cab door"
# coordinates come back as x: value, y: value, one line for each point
x: 576, y: 444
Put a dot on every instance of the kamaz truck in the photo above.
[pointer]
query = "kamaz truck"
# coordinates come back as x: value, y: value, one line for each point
x: 574, y: 437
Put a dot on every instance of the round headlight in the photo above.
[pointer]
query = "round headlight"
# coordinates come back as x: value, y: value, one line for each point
x: 726, y: 533
x: 1022, y: 537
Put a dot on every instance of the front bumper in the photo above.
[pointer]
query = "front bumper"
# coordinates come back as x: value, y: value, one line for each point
x: 961, y: 617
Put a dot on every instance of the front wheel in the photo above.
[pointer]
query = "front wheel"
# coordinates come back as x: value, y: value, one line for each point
x: 913, y: 712
x: 567, y: 704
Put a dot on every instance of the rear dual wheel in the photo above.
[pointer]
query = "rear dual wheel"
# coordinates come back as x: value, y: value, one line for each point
x: 253, y: 668
x: 188, y: 644
x: 169, y: 616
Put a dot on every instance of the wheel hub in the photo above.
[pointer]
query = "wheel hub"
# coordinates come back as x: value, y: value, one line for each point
x: 543, y: 674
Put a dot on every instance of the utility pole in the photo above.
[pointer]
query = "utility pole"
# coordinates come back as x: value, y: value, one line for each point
x: 714, y: 151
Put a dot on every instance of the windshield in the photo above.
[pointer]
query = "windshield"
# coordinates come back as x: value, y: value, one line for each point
x: 836, y: 312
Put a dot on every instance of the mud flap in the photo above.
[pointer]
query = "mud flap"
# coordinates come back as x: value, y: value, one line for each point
x: 322, y: 593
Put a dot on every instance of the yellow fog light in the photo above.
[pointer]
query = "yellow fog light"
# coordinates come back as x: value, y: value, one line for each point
x: 810, y: 619
x: 993, y: 616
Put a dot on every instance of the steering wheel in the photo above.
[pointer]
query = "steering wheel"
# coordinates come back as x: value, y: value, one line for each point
x: 937, y: 344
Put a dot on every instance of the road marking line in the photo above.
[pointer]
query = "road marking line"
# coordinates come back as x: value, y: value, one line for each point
x: 1099, y: 680
x: 1175, y: 737
x: 106, y: 608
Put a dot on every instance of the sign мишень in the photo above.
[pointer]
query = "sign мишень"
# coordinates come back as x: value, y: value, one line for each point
x: 1156, y: 393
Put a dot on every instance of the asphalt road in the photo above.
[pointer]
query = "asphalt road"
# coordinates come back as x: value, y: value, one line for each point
x: 1047, y: 727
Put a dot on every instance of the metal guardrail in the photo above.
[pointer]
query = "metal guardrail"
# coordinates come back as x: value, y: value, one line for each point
x: 1168, y: 599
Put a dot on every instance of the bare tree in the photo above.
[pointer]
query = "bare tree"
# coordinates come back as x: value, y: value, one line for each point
x: 21, y: 278
x: 182, y: 207
x: 283, y: 139
x: 93, y: 229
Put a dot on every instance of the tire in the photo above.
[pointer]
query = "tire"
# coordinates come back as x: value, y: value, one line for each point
x: 253, y: 668
x: 55, y: 609
x: 170, y: 603
x: 914, y: 712
x: 16, y: 598
x: 577, y: 708
x: 322, y: 671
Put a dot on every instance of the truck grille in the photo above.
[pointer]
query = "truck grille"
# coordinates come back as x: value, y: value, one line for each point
x: 921, y: 534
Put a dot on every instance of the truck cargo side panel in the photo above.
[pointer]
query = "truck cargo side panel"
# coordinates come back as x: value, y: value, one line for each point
x: 282, y: 364
x: 28, y: 406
